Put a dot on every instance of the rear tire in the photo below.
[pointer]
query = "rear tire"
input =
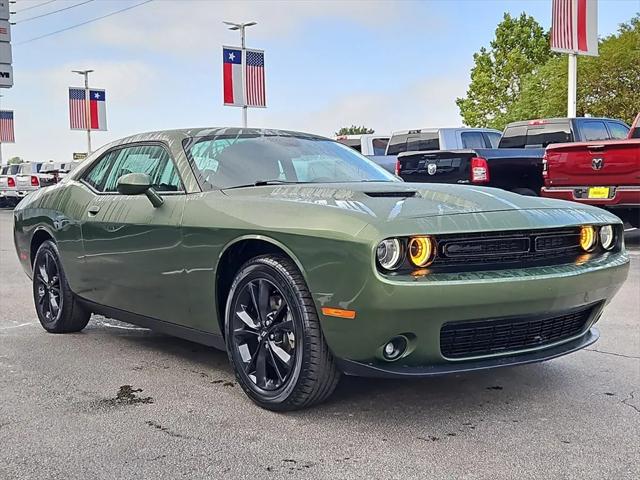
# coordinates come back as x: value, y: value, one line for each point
x: 274, y: 339
x: 59, y: 311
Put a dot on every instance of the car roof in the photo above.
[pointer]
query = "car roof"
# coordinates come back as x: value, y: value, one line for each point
x: 210, y: 132
x: 435, y: 129
x: 522, y: 123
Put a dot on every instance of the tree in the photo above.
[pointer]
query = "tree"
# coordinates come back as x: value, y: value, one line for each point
x: 607, y: 84
x: 354, y: 130
x: 14, y: 161
x: 520, y: 47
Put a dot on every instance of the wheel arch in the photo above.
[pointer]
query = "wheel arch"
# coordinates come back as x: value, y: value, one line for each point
x: 234, y: 254
x: 40, y: 235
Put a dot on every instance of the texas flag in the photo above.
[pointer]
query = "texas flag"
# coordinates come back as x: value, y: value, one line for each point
x: 232, y: 76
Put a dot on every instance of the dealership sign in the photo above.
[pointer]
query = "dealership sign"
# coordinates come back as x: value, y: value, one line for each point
x: 6, y: 58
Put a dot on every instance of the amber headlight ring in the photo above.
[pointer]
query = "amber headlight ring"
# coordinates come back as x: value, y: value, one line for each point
x: 421, y: 251
x: 588, y: 238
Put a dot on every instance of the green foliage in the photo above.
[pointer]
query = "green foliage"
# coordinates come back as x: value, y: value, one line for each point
x: 520, y: 47
x: 608, y: 85
x: 354, y: 130
x: 14, y: 161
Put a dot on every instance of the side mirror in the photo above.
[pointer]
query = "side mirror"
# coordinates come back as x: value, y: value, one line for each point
x: 137, y: 184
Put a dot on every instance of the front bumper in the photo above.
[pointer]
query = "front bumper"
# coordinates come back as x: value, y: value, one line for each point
x: 392, y: 370
x: 419, y: 307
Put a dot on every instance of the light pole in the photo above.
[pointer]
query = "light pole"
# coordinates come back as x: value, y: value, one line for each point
x: 241, y: 27
x: 87, y: 111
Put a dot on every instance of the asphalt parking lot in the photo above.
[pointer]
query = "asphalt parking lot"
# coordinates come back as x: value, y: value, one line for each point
x: 117, y: 401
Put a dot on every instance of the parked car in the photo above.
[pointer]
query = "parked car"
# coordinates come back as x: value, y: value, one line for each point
x: 7, y: 183
x: 518, y: 170
x: 605, y: 174
x: 303, y: 260
x: 546, y: 131
x: 516, y: 165
x: 367, y: 144
x: 634, y: 131
x: 434, y: 139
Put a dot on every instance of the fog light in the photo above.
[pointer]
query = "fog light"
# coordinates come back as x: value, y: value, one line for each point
x: 588, y: 238
x: 607, y: 237
x: 394, y: 348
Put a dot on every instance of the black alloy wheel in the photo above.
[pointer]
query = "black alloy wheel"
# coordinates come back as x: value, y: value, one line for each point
x: 264, y: 334
x: 58, y: 309
x: 274, y: 339
x: 46, y: 278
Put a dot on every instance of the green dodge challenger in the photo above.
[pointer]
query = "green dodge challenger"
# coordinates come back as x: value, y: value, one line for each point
x: 304, y: 260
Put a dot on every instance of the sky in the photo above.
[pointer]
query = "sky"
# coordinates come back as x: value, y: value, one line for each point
x: 389, y: 65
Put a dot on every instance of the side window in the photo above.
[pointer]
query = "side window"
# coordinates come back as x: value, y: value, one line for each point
x: 594, y: 130
x: 150, y: 159
x: 379, y: 145
x: 397, y: 144
x: 493, y: 139
x: 98, y: 173
x: 472, y: 140
x: 618, y: 130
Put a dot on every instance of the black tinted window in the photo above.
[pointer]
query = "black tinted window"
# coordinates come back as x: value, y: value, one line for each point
x: 536, y: 135
x: 423, y: 141
x: 636, y: 133
x: 397, y: 144
x: 493, y: 138
x: 594, y: 130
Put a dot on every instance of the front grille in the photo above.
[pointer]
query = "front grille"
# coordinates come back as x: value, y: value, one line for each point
x: 487, y: 337
x: 489, y: 251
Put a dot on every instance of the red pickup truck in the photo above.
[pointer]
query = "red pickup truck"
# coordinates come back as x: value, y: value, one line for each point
x: 603, y: 173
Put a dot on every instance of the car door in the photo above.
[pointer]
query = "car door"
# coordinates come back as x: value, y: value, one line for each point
x: 132, y: 250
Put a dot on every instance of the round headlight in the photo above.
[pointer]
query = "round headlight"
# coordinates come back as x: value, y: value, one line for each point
x: 421, y: 251
x: 607, y: 238
x: 389, y: 253
x: 588, y: 238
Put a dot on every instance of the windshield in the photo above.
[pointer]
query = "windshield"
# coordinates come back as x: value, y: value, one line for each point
x: 238, y: 161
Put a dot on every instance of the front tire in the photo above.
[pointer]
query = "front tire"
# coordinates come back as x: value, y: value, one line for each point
x: 274, y: 339
x: 58, y: 309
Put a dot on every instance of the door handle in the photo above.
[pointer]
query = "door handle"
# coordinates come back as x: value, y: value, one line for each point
x: 93, y: 210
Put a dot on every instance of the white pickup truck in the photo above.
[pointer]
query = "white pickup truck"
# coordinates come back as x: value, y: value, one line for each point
x: 435, y: 139
x: 367, y: 144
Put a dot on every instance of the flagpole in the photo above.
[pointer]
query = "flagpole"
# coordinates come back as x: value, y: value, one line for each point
x: 87, y: 105
x: 572, y: 88
x: 242, y: 27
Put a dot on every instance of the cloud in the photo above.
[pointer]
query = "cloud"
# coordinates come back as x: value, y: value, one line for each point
x: 426, y: 103
x: 192, y: 27
x: 42, y: 124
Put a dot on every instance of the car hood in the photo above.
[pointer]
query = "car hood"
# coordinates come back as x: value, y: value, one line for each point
x: 372, y: 211
x: 387, y: 201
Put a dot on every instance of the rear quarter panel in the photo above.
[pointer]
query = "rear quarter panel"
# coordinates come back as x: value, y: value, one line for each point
x: 58, y: 210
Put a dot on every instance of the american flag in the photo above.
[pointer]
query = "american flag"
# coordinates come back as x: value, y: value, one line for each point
x: 574, y: 26
x: 77, y: 109
x: 6, y: 126
x: 256, y: 96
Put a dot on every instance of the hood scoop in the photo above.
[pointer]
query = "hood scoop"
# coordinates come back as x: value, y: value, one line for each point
x: 392, y: 194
